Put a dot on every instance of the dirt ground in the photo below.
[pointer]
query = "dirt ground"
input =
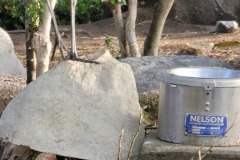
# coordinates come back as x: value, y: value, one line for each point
x: 91, y: 38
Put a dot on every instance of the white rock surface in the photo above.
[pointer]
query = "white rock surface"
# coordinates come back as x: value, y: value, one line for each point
x: 9, y: 64
x: 77, y: 110
x: 226, y: 26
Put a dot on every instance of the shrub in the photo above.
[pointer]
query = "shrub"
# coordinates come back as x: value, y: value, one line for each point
x: 12, y: 12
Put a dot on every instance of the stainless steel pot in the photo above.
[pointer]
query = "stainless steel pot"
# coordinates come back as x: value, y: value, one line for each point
x: 200, y: 105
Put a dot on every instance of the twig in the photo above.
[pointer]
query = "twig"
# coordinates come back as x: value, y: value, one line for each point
x: 120, y: 146
x: 135, y: 137
x: 58, y: 38
x: 210, y: 148
x: 199, y: 154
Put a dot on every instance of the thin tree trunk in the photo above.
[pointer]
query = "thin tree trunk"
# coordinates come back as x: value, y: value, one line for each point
x: 42, y: 41
x: 130, y: 28
x: 161, y: 11
x: 119, y: 24
x: 30, y: 53
x: 73, y: 30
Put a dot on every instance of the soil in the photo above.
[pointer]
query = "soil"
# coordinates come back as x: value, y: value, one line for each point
x: 91, y: 38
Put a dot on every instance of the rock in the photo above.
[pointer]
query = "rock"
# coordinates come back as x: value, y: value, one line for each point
x: 147, y: 71
x: 77, y: 110
x: 9, y: 88
x: 9, y: 64
x: 196, y: 49
x: 46, y: 156
x: 205, y: 11
x: 226, y: 26
x: 12, y: 73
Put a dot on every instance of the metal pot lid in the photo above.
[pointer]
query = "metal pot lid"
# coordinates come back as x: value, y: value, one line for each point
x: 207, y: 77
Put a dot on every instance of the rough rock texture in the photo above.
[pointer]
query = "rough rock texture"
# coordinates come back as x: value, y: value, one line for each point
x: 196, y: 49
x: 77, y: 110
x: 9, y: 64
x: 205, y: 11
x: 226, y: 26
x: 12, y: 73
x: 147, y: 71
x: 9, y: 88
x: 45, y: 156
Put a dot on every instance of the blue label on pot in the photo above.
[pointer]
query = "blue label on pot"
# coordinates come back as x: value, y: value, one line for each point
x: 205, y: 125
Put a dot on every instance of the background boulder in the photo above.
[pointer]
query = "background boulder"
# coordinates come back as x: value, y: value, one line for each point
x: 12, y: 72
x: 9, y: 63
x: 205, y: 11
x: 147, y: 71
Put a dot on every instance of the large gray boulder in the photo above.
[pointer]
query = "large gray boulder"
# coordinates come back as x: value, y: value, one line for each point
x: 148, y: 70
x: 12, y: 73
x: 205, y: 11
x: 9, y: 63
x: 77, y: 110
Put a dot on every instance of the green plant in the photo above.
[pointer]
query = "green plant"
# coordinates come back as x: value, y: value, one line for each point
x: 123, y: 2
x: 86, y: 11
x: 12, y: 14
x: 108, y: 41
x: 34, y: 11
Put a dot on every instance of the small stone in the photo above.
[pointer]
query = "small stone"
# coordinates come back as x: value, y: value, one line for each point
x: 46, y: 156
x: 196, y: 49
x: 226, y: 26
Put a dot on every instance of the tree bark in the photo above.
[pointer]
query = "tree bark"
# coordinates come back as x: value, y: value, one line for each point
x: 30, y: 53
x: 161, y: 11
x: 119, y: 25
x: 130, y: 28
x: 42, y: 41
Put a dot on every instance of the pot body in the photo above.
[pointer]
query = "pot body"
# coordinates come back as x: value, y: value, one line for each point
x: 199, y: 110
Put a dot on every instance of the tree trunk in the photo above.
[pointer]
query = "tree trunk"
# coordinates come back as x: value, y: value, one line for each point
x: 42, y: 41
x: 30, y: 53
x: 130, y: 28
x: 119, y: 24
x: 151, y: 43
